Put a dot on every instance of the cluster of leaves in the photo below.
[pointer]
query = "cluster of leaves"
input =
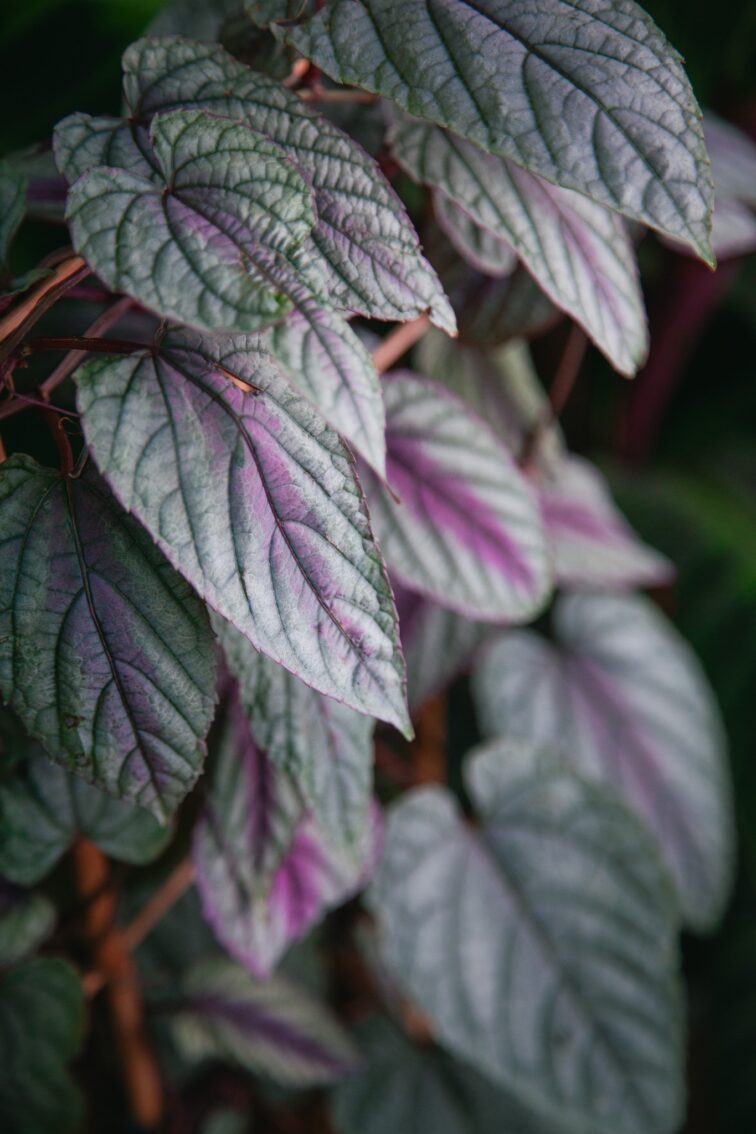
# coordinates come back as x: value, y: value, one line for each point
x: 258, y: 546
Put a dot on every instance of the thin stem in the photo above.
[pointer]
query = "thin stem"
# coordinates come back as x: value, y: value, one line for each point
x: 82, y: 343
x: 565, y: 378
x: 174, y: 887
x: 322, y: 94
x: 63, y: 445
x: 74, y: 358
x: 67, y: 272
x: 113, y: 958
x: 399, y: 342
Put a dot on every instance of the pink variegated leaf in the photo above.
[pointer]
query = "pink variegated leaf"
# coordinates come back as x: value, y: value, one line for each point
x: 459, y: 522
x: 264, y: 869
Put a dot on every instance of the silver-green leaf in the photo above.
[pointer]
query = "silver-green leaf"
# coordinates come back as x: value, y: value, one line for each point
x: 585, y: 93
x: 541, y: 944
x: 255, y: 501
x: 105, y: 653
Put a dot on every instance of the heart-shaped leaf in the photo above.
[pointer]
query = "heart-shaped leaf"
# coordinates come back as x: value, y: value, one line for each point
x: 41, y: 1021
x: 578, y: 251
x: 367, y: 252
x: 272, y: 1028
x: 623, y: 698
x: 265, y: 871
x: 43, y: 809
x: 590, y: 96
x: 205, y: 242
x: 255, y: 501
x: 105, y: 654
x: 464, y: 527
x: 541, y: 945
x: 403, y: 1086
x: 325, y: 747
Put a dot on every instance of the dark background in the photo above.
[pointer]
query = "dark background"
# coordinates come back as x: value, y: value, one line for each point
x: 679, y: 443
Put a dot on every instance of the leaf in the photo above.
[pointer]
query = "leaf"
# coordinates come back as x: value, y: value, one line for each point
x: 256, y: 502
x: 367, y: 252
x: 438, y: 644
x: 593, y: 545
x: 733, y: 165
x: 405, y: 1087
x: 41, y: 1022
x: 264, y: 870
x: 585, y: 94
x: 202, y: 242
x: 501, y: 387
x: 480, y: 247
x: 579, y: 252
x: 541, y: 945
x: 12, y: 206
x: 325, y: 747
x: 329, y: 364
x: 271, y: 1028
x: 43, y: 809
x: 465, y: 529
x: 26, y: 921
x: 226, y: 22
x: 105, y: 654
x: 624, y: 699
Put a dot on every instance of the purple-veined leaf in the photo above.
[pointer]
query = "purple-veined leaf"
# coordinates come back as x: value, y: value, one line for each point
x: 501, y: 386
x: 624, y: 699
x: 586, y: 94
x: 402, y: 1086
x: 271, y: 1028
x: 202, y: 241
x: 41, y: 1026
x: 490, y: 310
x: 480, y: 247
x: 439, y: 645
x: 26, y: 921
x: 105, y: 654
x: 327, y: 361
x: 579, y: 252
x: 265, y: 871
x: 325, y: 747
x: 593, y: 545
x: 366, y: 249
x: 44, y: 808
x: 464, y: 527
x: 540, y: 944
x: 256, y: 502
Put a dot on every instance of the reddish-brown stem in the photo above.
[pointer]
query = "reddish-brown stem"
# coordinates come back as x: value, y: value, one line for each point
x: 174, y: 887
x: 322, y: 94
x: 56, y: 424
x: 82, y: 343
x: 74, y: 358
x: 15, y: 324
x: 429, y: 747
x: 113, y: 959
x: 566, y: 376
x: 399, y: 342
